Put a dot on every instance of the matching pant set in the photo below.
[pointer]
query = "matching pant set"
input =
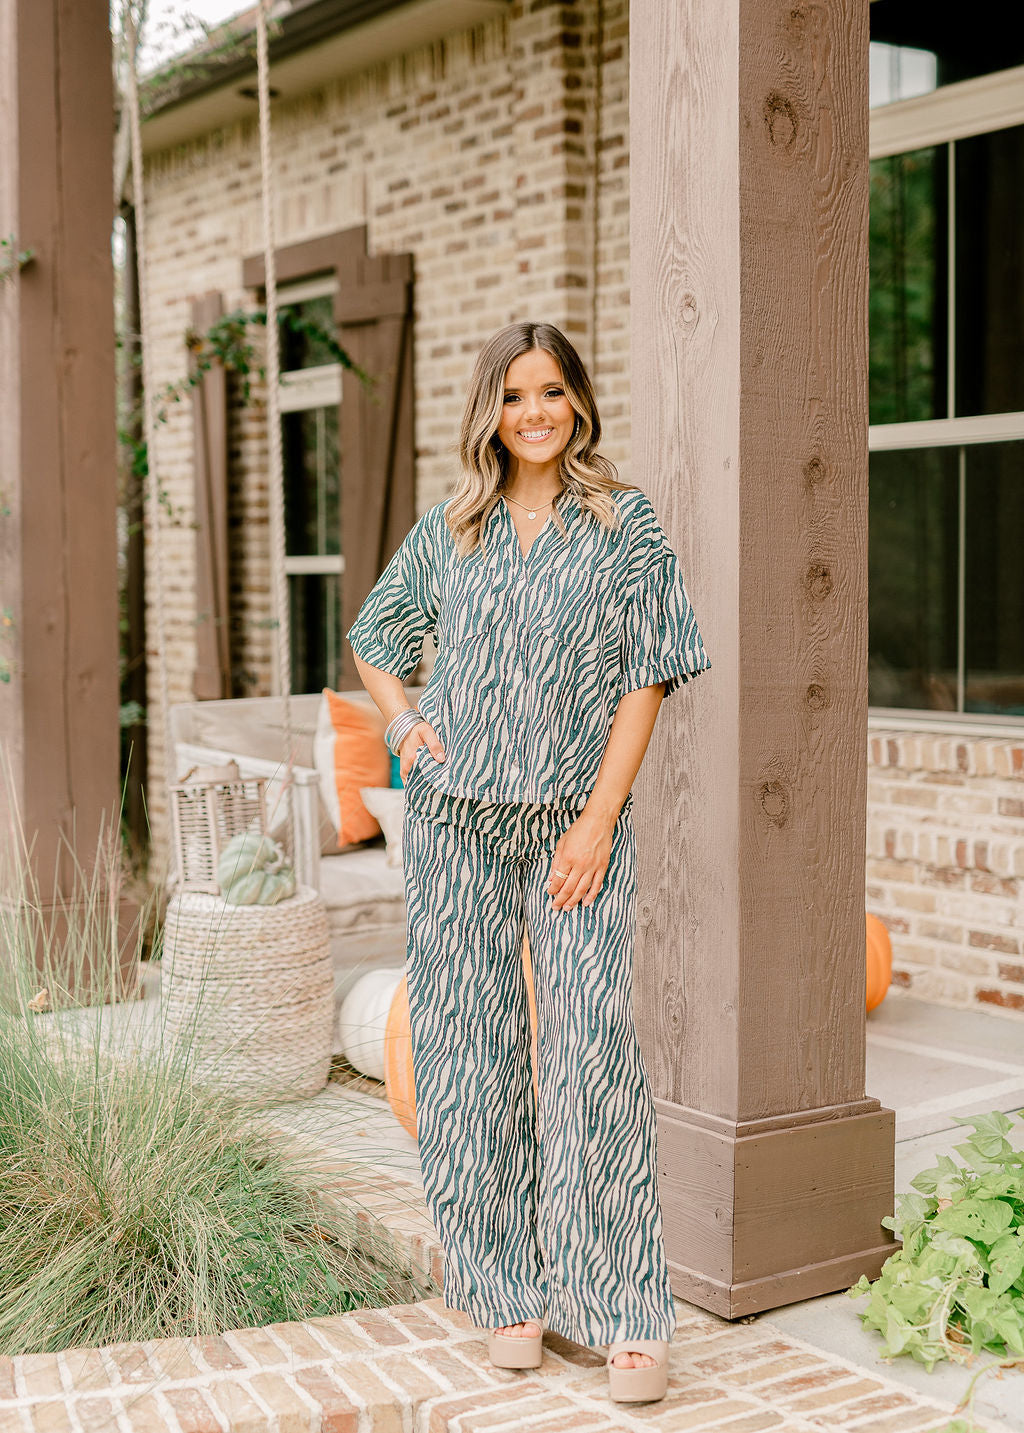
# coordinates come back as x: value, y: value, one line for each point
x: 540, y: 1206
x: 544, y: 1205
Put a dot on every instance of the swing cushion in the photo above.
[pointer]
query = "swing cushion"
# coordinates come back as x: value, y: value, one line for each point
x: 349, y: 752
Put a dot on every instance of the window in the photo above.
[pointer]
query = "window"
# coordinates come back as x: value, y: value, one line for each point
x: 946, y: 373
x: 918, y: 46
x: 310, y: 400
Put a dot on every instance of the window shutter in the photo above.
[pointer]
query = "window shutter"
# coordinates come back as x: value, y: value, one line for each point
x: 212, y: 679
x: 374, y: 314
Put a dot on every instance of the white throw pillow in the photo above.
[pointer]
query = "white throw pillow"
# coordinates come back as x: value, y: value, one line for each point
x: 387, y: 805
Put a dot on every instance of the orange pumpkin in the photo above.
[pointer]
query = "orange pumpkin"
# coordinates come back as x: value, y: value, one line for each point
x: 399, y: 1080
x: 879, y: 962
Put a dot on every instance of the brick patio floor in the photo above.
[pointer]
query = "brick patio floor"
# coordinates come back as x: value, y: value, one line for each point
x: 424, y: 1369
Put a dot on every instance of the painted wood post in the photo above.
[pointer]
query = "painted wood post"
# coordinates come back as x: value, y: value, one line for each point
x: 59, y: 731
x: 749, y: 185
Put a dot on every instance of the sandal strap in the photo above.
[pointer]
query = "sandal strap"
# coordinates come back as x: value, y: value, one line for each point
x: 656, y: 1348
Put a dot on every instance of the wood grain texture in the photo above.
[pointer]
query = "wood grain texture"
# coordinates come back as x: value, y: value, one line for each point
x: 749, y: 155
x: 748, y: 123
x: 685, y: 354
x: 59, y: 713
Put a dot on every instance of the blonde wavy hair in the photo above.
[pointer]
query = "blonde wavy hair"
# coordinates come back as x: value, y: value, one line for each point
x: 485, y: 459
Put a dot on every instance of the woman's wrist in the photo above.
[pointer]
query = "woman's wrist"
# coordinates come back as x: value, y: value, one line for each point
x: 399, y: 727
x: 603, y: 807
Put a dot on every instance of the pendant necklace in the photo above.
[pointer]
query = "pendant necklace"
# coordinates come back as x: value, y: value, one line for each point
x: 530, y: 512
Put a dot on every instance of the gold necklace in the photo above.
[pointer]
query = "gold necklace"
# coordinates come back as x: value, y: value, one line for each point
x: 530, y: 512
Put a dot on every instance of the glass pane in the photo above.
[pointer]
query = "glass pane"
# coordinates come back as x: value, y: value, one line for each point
x: 958, y: 45
x: 311, y: 482
x: 899, y: 72
x: 912, y: 579
x: 315, y: 615
x: 301, y: 326
x: 994, y: 579
x: 989, y: 339
x: 907, y: 318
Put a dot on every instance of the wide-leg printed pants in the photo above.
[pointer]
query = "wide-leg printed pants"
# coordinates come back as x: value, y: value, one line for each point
x: 539, y: 1206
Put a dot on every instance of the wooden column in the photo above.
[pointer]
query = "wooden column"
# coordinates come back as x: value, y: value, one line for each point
x: 58, y: 548
x: 749, y: 182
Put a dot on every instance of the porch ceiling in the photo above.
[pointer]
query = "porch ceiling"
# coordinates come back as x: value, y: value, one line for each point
x: 318, y: 41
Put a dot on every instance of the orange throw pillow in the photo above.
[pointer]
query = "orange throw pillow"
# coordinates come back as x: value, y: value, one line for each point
x: 350, y: 752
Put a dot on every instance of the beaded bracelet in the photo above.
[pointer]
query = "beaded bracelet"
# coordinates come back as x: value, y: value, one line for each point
x: 399, y: 727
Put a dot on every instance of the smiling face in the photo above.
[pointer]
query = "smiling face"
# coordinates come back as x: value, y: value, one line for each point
x: 536, y: 417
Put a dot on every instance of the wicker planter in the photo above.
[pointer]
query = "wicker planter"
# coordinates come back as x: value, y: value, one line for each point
x: 253, y: 988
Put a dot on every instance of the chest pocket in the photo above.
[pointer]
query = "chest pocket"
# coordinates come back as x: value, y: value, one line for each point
x: 575, y: 612
x: 470, y: 610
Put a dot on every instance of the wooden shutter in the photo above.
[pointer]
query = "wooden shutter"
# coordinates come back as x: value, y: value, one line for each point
x: 374, y: 313
x: 212, y: 679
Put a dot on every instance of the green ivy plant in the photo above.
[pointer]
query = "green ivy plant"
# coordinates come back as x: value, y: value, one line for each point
x: 955, y: 1289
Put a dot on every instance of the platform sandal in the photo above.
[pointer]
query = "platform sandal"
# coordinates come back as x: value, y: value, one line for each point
x: 511, y: 1350
x: 638, y: 1385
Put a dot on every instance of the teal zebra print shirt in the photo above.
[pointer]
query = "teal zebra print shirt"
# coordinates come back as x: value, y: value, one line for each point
x: 533, y: 652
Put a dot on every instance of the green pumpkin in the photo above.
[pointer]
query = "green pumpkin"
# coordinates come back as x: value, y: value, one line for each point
x: 251, y: 871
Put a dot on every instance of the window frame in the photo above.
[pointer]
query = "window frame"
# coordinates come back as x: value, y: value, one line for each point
x: 305, y: 390
x: 982, y: 105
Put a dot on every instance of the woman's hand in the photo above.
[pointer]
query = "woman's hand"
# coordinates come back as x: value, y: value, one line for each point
x: 582, y: 855
x: 421, y: 733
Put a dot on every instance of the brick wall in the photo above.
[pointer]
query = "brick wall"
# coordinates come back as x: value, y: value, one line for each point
x: 498, y: 157
x: 945, y: 863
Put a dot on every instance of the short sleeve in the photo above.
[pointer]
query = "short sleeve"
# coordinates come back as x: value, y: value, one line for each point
x: 401, y: 608
x: 661, y: 641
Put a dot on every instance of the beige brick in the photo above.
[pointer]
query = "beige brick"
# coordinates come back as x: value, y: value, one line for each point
x: 300, y: 1343
x: 97, y: 1415
x: 519, y: 1413
x: 837, y: 1393
x: 812, y: 1379
x: 144, y: 1411
x: 291, y: 1410
x: 51, y: 1417
x: 758, y: 1373
x: 40, y: 1374
x: 193, y: 1410
x: 413, y: 1378
x: 176, y: 1359
x: 131, y: 1363
x: 338, y: 1413
x: 379, y: 1328
x: 451, y: 1411
x: 755, y: 1421
x: 888, y: 1402
x: 707, y: 1414
x: 339, y: 1336
x: 237, y: 1406
x: 419, y: 1326
x: 217, y: 1354
x: 257, y: 1348
x: 85, y: 1369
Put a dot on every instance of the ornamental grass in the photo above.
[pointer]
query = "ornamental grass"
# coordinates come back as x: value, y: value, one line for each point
x: 134, y: 1202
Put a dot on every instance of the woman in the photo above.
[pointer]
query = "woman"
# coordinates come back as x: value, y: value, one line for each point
x: 562, y: 620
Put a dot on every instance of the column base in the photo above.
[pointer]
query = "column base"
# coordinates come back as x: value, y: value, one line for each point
x: 762, y: 1213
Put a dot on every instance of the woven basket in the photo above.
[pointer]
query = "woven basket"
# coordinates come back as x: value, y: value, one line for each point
x: 252, y: 989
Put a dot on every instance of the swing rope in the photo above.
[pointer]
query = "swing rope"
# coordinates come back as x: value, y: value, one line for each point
x: 274, y: 437
x: 279, y: 585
